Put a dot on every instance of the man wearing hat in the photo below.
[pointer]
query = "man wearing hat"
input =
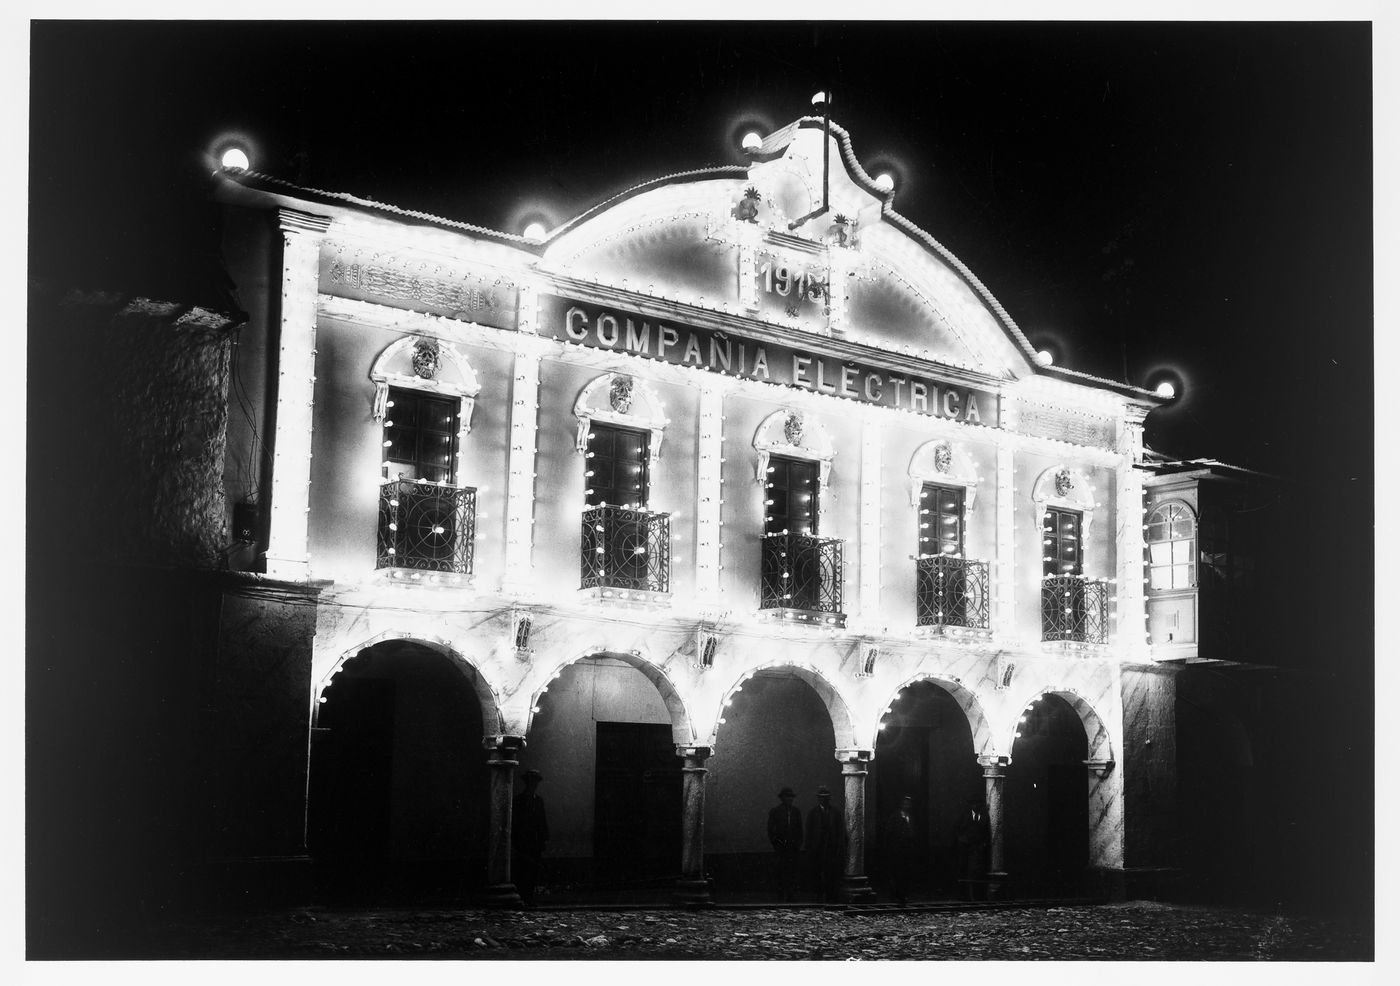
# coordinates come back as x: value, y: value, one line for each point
x: 785, y: 833
x: 826, y: 832
x: 529, y: 833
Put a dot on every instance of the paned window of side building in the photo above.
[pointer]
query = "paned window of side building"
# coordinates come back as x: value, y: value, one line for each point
x: 941, y: 520
x: 1062, y: 541
x: 420, y: 435
x: 1171, y: 546
x: 617, y: 473
x: 791, y: 496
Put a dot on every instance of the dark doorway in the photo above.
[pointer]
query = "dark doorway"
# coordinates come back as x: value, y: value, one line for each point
x: 349, y: 823
x: 637, y: 804
x: 925, y: 751
x: 397, y: 805
x: 1046, y: 808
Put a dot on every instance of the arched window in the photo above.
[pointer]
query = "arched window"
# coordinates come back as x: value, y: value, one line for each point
x: 1171, y: 546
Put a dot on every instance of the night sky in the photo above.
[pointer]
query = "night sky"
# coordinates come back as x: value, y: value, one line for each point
x: 1138, y: 196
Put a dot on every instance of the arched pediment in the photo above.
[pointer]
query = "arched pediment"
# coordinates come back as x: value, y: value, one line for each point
x: 737, y: 242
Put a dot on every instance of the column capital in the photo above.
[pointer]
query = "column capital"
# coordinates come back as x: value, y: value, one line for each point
x: 993, y: 766
x: 1100, y: 767
x: 858, y: 757
x: 693, y: 752
x: 504, y: 745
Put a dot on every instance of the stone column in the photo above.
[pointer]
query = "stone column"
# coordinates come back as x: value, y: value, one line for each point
x: 288, y: 556
x: 502, y: 759
x: 692, y: 890
x: 994, y: 774
x: 854, y: 768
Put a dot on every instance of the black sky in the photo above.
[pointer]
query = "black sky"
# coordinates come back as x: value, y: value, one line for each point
x: 1138, y: 195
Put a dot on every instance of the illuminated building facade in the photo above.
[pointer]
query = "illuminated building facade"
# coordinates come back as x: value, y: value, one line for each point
x: 737, y: 481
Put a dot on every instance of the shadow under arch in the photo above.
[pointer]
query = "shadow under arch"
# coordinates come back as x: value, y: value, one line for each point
x: 682, y: 727
x: 386, y: 644
x: 1100, y: 744
x: 843, y: 725
x: 983, y: 736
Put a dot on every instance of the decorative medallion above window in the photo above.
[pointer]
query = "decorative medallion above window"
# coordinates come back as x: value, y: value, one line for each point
x: 946, y: 463
x: 620, y: 399
x: 620, y: 393
x: 792, y: 428
x: 428, y: 364
x: 1064, y: 488
x: 426, y: 358
x: 794, y: 433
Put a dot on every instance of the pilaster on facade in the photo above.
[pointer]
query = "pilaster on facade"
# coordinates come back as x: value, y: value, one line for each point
x: 871, y: 487
x: 1132, y: 637
x: 520, y: 470
x: 1004, y: 611
x: 288, y: 554
x: 709, y: 528
x: 748, y: 282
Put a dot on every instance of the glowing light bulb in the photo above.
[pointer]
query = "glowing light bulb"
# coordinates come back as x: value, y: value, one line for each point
x: 752, y: 141
x: 884, y: 181
x: 535, y: 232
x: 234, y: 157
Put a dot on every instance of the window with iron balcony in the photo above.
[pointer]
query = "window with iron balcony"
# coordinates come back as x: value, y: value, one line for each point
x: 1072, y: 607
x: 800, y: 571
x: 625, y: 548
x: 951, y: 589
x: 427, y: 524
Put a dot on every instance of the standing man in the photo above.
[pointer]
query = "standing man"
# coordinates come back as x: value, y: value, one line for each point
x: 785, y: 834
x: 973, y: 836
x: 826, y: 831
x: 899, y: 849
x: 529, y: 833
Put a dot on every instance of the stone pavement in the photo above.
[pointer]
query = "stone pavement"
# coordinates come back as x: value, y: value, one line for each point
x: 1136, y: 930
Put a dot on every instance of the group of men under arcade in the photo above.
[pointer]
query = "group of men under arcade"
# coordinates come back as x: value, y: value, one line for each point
x: 823, y: 840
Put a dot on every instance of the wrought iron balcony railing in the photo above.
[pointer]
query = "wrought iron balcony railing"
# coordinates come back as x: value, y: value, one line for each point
x: 951, y: 592
x: 625, y: 548
x: 1074, y: 608
x: 426, y: 526
x: 802, y: 572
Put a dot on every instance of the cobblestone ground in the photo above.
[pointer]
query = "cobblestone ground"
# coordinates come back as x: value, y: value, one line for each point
x: 1136, y: 930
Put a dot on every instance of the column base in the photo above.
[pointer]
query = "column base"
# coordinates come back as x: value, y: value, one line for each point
x: 996, y: 885
x: 504, y: 896
x: 692, y: 894
x: 857, y: 890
